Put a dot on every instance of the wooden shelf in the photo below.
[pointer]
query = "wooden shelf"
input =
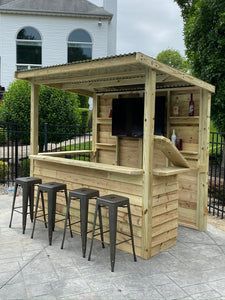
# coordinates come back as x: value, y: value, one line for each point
x: 184, y: 120
x: 105, y: 146
x: 189, y: 152
x: 106, y: 121
x: 169, y: 171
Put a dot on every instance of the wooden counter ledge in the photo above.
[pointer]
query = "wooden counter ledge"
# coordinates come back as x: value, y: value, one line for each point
x: 89, y: 165
x: 168, y: 171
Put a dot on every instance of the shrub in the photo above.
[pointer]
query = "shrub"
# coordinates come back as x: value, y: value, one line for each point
x: 25, y: 167
x: 3, y: 170
x: 56, y: 107
x: 2, y: 136
x: 84, y: 114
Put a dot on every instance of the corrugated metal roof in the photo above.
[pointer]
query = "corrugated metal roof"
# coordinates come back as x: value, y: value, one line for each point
x: 82, y: 61
x: 54, y: 7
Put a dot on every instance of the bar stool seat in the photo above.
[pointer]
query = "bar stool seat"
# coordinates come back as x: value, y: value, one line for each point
x: 83, y: 195
x: 27, y: 184
x: 51, y: 188
x: 113, y: 201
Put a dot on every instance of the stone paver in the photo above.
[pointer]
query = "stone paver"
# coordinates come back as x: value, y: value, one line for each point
x: 31, y: 269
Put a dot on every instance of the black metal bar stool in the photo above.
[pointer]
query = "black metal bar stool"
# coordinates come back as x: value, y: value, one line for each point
x: 113, y: 202
x: 27, y: 184
x: 51, y: 188
x: 84, y: 195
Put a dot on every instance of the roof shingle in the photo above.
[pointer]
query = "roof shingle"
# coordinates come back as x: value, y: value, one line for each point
x: 54, y: 7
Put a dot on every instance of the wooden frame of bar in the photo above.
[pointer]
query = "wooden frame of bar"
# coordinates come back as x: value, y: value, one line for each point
x: 162, y: 183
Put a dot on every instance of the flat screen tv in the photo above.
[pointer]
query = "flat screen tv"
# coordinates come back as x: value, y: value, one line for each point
x: 128, y: 117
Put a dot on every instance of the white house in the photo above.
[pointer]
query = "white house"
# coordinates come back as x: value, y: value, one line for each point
x: 36, y: 33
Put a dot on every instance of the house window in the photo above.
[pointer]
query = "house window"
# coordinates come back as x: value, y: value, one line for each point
x: 28, y: 49
x: 79, y: 46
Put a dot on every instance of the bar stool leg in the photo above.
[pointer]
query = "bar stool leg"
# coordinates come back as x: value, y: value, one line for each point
x: 131, y: 232
x: 31, y: 202
x: 13, y: 205
x: 93, y: 231
x: 24, y: 206
x: 101, y: 226
x: 84, y: 221
x: 66, y: 197
x: 35, y: 214
x: 66, y: 218
x: 43, y: 209
x: 51, y: 214
x: 112, y: 233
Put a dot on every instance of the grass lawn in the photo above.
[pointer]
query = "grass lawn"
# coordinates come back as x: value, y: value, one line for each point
x: 78, y: 146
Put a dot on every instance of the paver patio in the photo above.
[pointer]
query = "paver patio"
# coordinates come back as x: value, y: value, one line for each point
x: 31, y: 269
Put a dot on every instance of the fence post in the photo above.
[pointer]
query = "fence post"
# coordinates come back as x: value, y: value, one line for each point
x: 16, y: 153
x: 45, y: 137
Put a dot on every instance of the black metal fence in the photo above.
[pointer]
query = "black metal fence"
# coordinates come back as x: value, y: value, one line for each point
x: 14, y: 148
x: 216, y: 201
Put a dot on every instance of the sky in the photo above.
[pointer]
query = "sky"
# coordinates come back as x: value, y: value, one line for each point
x: 148, y: 26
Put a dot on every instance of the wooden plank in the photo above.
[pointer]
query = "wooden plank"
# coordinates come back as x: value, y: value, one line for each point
x: 204, y: 129
x: 157, y: 230
x: 171, y: 152
x: 77, y: 68
x: 184, y: 98
x: 161, y: 199
x: 75, y: 180
x: 184, y: 121
x: 163, y: 246
x: 188, y: 134
x: 89, y: 165
x: 187, y: 215
x: 34, y: 120
x: 164, y: 189
x: 164, y: 237
x: 63, y: 153
x: 94, y: 126
x: 168, y: 171
x: 163, y: 208
x: 155, y: 65
x: 158, y: 220
x: 105, y: 121
x: 149, y: 115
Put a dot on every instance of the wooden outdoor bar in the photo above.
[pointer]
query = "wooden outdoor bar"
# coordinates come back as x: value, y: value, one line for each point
x: 165, y: 185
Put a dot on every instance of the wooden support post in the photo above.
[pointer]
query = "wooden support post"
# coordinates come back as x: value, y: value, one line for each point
x: 95, y: 126
x: 117, y: 159
x: 168, y: 114
x: 34, y: 123
x: 204, y: 129
x: 168, y: 120
x: 149, y: 115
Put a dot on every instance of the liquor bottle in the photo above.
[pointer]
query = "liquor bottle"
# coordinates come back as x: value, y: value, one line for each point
x: 173, y: 137
x: 191, y: 107
x: 176, y: 108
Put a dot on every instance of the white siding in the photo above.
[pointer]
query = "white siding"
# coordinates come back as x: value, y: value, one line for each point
x: 54, y: 32
x: 111, y: 6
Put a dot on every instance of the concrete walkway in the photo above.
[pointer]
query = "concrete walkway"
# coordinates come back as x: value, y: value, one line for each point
x: 30, y: 269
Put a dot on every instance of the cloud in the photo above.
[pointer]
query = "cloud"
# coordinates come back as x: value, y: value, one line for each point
x: 149, y: 26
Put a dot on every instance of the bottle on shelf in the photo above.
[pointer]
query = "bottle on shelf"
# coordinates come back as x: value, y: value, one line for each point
x: 176, y: 107
x: 191, y: 111
x: 173, y: 137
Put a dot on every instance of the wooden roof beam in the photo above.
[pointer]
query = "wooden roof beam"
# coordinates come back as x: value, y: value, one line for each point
x: 95, y: 65
x: 156, y: 65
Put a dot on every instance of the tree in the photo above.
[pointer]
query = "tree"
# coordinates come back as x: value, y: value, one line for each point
x: 57, y: 108
x: 173, y: 58
x: 204, y: 31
